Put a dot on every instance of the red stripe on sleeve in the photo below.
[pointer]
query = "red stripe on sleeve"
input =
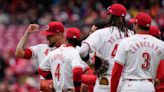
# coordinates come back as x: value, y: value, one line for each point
x: 45, y: 74
x: 28, y: 54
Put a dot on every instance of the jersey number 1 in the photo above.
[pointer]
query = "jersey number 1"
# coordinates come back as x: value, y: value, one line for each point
x: 146, y: 64
x: 57, y: 71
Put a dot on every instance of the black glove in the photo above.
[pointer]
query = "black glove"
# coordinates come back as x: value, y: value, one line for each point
x: 100, y: 66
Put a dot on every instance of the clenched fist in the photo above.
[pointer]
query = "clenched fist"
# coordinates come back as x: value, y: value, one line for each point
x: 32, y: 28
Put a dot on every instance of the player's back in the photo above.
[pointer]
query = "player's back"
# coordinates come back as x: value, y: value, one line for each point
x: 143, y: 53
x: 111, y: 37
x: 63, y: 60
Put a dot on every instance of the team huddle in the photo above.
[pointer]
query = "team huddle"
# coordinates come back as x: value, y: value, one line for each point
x: 111, y: 59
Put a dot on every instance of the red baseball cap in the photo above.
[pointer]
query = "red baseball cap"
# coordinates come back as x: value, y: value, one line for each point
x: 154, y: 31
x: 116, y: 9
x: 53, y: 28
x: 73, y: 33
x: 142, y: 19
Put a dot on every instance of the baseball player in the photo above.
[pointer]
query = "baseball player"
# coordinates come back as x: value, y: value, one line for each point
x: 89, y: 79
x: 54, y: 32
x: 160, y: 75
x: 154, y: 31
x: 138, y: 56
x: 65, y: 64
x: 105, y: 42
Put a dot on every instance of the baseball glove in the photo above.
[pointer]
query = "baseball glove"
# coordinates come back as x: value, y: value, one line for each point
x: 100, y: 66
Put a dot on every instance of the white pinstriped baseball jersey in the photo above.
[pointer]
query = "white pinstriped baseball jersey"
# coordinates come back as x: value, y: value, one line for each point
x: 140, y: 55
x: 61, y: 63
x: 104, y: 42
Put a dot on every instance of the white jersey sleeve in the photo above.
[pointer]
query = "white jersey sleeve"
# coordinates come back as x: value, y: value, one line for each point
x: 34, y: 50
x: 94, y: 41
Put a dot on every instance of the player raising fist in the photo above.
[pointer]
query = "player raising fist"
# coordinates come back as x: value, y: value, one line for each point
x: 55, y: 35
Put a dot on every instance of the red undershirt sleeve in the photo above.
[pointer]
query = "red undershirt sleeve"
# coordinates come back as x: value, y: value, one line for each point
x: 116, y: 74
x: 160, y: 73
x: 77, y: 74
x: 28, y: 53
x: 45, y: 74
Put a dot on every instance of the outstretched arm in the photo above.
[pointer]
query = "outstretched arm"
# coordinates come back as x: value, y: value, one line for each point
x: 20, y: 51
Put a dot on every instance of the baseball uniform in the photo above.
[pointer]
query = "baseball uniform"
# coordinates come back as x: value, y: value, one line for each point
x: 140, y: 55
x: 104, y: 42
x: 61, y: 63
x: 155, y: 31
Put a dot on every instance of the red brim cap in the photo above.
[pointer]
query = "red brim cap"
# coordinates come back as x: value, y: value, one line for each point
x: 131, y: 21
x: 154, y: 31
x: 47, y: 33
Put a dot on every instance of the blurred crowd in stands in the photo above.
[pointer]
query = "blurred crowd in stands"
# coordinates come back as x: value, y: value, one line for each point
x: 16, y: 15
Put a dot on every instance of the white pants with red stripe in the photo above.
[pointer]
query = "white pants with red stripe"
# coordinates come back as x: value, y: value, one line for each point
x: 137, y: 86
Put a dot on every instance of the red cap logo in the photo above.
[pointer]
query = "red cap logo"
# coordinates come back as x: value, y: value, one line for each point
x: 53, y: 28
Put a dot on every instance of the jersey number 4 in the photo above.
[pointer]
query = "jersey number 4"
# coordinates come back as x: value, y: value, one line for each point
x: 57, y: 72
x: 114, y: 51
x: 146, y: 56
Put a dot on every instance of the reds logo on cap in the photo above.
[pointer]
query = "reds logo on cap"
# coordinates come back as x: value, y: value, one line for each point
x: 47, y: 27
x: 53, y: 28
